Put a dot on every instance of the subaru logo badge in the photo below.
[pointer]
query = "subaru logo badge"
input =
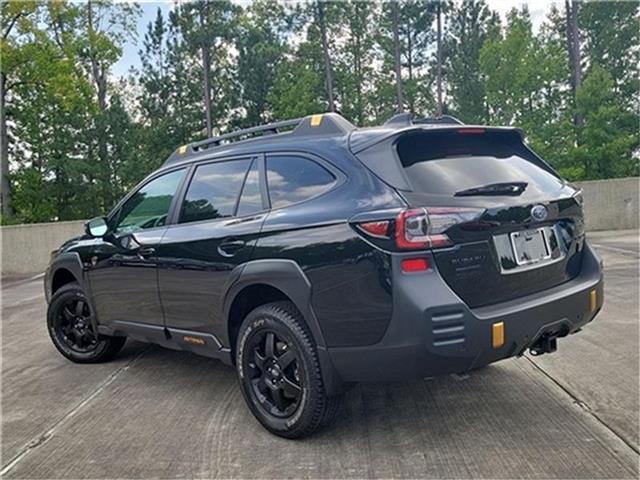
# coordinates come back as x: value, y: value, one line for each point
x: 539, y: 213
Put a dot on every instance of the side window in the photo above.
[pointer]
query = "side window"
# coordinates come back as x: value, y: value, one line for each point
x: 149, y: 206
x: 213, y: 191
x: 250, y: 200
x: 293, y: 179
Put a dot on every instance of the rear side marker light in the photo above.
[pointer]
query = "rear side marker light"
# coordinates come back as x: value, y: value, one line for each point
x: 375, y: 229
x: 409, y: 265
x: 497, y: 335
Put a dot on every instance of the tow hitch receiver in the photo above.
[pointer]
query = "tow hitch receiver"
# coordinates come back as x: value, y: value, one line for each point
x: 545, y: 344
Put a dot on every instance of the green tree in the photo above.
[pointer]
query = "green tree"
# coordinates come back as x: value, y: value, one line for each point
x: 415, y: 38
x: 207, y: 29
x: 526, y: 84
x: 611, y: 35
x: 610, y: 136
x: 168, y: 99
x: 510, y: 72
x: 298, y: 88
x: 354, y: 61
x: 471, y: 24
x: 261, y: 45
x: 17, y: 48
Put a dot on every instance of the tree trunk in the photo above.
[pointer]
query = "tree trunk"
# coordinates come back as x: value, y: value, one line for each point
x: 100, y: 79
x: 396, y: 44
x: 439, y: 58
x: 359, y: 79
x: 206, y: 75
x: 206, y: 87
x: 328, y: 77
x: 412, y: 99
x: 573, y: 50
x: 5, y: 186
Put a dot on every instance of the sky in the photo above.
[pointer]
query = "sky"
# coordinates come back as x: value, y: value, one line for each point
x: 537, y: 8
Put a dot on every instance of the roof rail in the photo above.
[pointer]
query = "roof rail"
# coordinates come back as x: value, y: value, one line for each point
x: 311, y: 125
x: 404, y: 120
x: 269, y: 129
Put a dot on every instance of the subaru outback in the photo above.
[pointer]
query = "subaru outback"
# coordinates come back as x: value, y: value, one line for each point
x: 312, y: 255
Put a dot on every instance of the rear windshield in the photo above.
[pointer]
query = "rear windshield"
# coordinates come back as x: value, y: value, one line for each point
x: 448, y: 162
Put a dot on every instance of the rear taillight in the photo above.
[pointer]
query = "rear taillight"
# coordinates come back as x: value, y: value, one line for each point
x: 425, y: 227
x: 375, y: 229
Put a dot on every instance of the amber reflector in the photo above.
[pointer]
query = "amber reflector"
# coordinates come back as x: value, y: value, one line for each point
x: 497, y: 335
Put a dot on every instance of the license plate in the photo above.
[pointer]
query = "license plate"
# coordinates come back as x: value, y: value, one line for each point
x: 530, y: 246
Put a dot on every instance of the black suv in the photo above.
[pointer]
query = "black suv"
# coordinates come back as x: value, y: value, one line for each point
x: 311, y: 254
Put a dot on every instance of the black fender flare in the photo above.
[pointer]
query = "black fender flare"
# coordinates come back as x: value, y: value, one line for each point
x: 68, y: 261
x: 288, y: 277
x: 72, y: 262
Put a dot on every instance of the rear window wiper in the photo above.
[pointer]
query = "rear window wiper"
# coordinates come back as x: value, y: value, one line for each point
x: 505, y: 188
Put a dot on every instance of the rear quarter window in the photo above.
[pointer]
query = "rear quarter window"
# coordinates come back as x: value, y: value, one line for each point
x: 292, y: 179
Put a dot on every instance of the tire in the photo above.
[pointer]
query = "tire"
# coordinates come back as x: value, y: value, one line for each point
x: 70, y: 326
x: 275, y: 353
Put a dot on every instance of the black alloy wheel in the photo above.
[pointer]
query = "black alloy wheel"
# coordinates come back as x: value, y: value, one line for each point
x: 72, y: 328
x: 275, y: 376
x: 73, y: 324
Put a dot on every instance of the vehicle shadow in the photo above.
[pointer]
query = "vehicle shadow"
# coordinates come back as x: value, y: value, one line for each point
x: 505, y: 421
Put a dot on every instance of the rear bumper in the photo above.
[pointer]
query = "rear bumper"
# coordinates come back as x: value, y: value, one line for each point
x: 433, y: 332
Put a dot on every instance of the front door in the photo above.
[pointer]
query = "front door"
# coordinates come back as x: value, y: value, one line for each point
x: 219, y: 221
x: 123, y: 270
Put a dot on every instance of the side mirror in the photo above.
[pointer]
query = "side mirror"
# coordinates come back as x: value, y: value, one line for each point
x: 97, y: 227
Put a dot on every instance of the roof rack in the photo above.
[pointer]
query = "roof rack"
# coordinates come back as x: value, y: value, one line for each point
x: 311, y: 125
x: 269, y: 129
x: 404, y: 120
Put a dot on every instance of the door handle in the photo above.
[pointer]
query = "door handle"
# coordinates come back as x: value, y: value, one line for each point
x: 145, y: 252
x: 228, y: 248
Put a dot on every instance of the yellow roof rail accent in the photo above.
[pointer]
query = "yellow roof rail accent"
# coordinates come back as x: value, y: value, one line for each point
x: 316, y: 119
x: 182, y: 150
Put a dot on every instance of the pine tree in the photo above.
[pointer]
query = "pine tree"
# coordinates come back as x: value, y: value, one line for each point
x: 610, y: 134
x: 471, y: 24
x: 611, y: 35
x: 261, y: 45
x: 354, y: 62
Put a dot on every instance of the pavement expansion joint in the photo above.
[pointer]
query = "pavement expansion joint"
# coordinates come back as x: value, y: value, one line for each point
x: 44, y: 437
x: 585, y: 407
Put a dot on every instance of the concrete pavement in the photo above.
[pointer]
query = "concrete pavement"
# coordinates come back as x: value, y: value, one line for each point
x: 158, y: 413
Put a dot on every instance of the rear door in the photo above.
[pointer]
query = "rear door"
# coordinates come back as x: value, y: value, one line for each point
x: 216, y: 227
x: 529, y: 234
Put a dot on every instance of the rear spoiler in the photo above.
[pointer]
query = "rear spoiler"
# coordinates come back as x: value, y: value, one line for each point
x: 361, y: 140
x: 379, y: 153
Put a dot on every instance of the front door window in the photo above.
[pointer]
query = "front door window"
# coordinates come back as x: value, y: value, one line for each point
x: 149, y: 206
